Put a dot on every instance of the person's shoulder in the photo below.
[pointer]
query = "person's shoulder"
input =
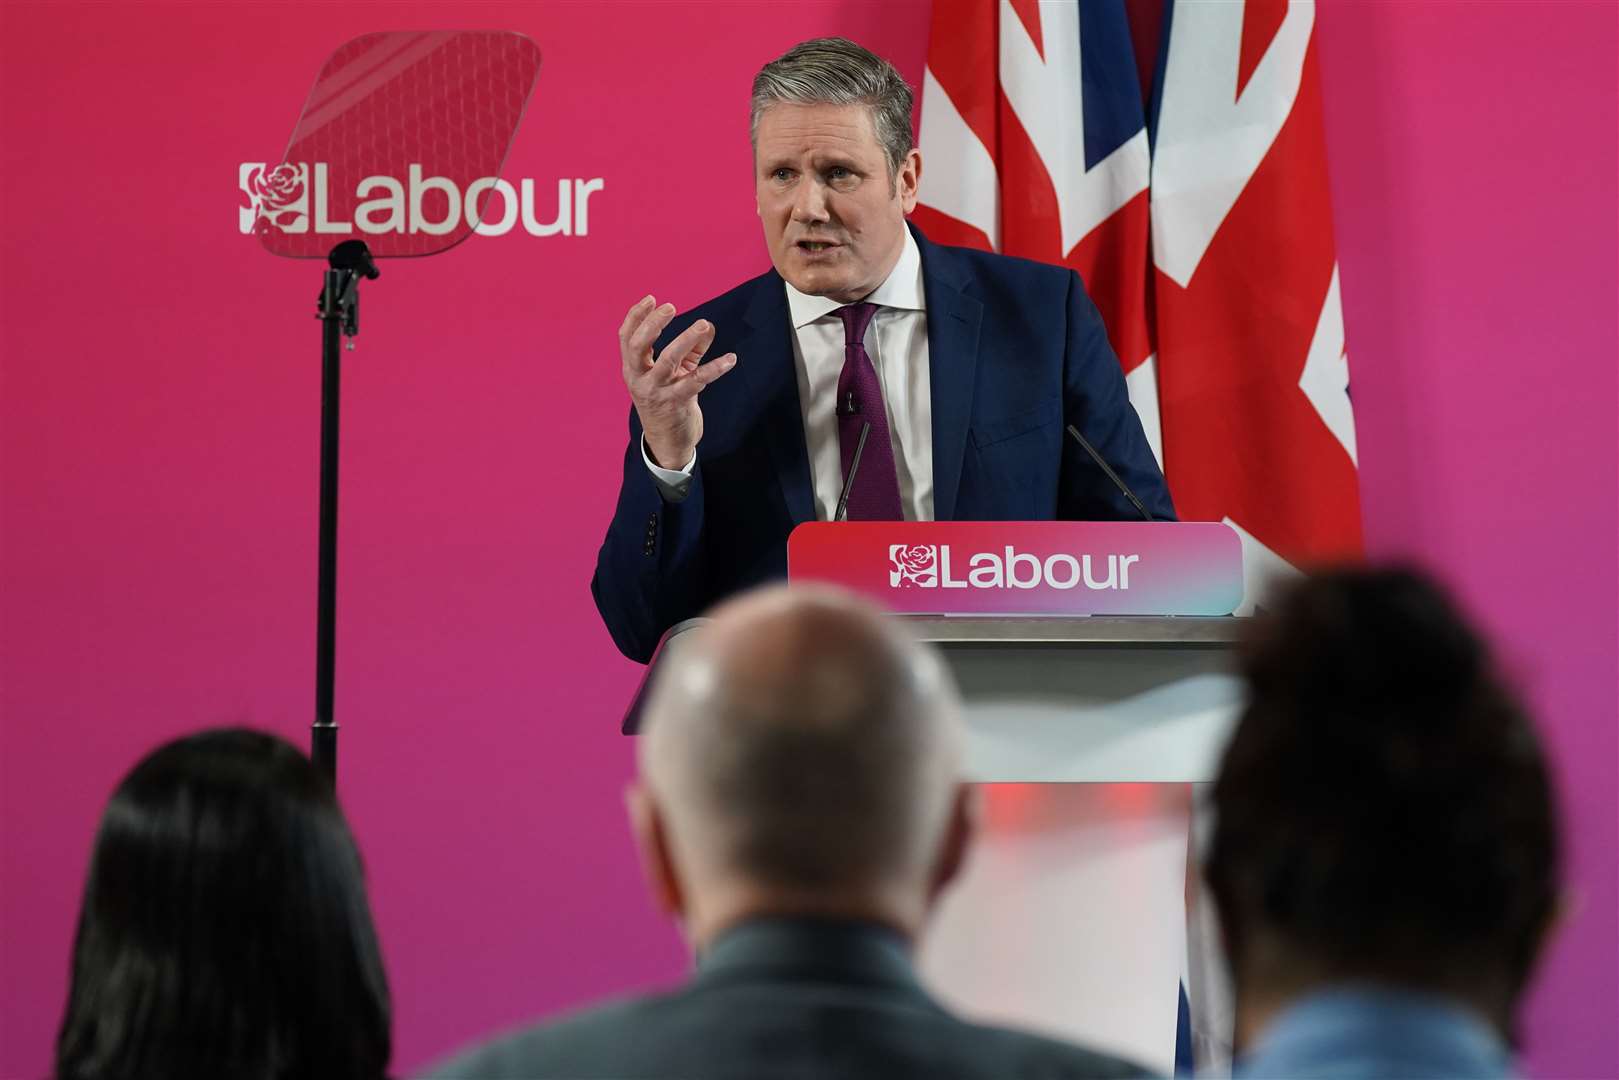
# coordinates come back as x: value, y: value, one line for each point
x: 992, y: 265
x: 740, y: 296
x: 554, y: 1047
x: 725, y: 311
x: 1022, y: 292
x: 1010, y: 1052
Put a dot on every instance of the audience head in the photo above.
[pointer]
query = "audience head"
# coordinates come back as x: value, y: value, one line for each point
x: 802, y: 757
x: 225, y: 929
x: 1384, y: 812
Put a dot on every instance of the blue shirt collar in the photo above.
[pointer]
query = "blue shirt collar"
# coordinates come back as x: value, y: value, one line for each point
x: 1364, y: 1030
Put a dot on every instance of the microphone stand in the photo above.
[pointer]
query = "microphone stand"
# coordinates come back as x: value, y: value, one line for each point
x: 338, y: 309
x: 854, y: 466
x: 1146, y: 515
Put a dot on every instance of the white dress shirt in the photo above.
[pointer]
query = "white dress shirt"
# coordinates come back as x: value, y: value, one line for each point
x: 897, y: 342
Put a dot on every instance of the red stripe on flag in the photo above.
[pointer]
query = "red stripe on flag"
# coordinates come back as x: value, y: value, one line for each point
x: 944, y: 229
x: 1028, y: 12
x: 1031, y: 225
x: 1112, y: 260
x: 1260, y: 21
x: 962, y: 44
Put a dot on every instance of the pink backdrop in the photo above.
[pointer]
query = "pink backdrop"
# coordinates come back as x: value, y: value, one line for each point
x: 159, y: 448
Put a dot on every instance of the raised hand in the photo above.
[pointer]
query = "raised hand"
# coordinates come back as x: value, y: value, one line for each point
x: 665, y: 388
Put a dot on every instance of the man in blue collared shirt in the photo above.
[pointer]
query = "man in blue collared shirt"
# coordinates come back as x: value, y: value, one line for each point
x: 1385, y: 857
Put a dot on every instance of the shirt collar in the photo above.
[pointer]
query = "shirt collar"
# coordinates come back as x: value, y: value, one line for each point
x: 901, y: 289
x: 1431, y: 1035
x: 847, y: 950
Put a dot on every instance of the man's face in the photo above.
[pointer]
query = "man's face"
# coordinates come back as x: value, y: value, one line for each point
x: 833, y: 219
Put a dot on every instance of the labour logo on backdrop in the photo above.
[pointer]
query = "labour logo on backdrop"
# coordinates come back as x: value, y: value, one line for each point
x: 279, y: 195
x: 295, y: 198
x: 913, y: 564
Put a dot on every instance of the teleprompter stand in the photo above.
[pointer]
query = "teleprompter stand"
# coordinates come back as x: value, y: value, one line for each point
x: 338, y: 309
x: 436, y: 107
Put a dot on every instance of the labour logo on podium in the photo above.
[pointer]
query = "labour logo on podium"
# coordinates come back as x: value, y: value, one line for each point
x: 1027, y: 567
x: 913, y: 564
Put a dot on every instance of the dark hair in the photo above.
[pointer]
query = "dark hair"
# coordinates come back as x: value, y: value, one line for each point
x: 225, y: 930
x: 1384, y: 810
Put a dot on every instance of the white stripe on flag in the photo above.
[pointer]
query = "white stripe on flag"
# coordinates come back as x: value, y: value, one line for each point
x: 1142, y: 384
x: 1047, y: 95
x: 962, y: 182
x: 1210, y: 141
x: 1262, y: 570
x: 1325, y: 379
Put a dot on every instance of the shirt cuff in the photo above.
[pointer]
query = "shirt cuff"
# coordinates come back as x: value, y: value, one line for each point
x: 673, y: 484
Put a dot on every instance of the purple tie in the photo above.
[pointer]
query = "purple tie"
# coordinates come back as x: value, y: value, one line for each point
x: 875, y: 494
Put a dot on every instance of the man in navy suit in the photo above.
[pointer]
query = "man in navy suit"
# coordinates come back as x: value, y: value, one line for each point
x: 963, y: 368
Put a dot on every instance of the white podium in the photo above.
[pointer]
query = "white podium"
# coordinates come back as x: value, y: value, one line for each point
x: 1090, y: 699
x: 1086, y: 733
x: 1071, y: 915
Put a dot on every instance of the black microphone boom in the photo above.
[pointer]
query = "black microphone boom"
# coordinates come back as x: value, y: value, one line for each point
x: 1111, y: 475
x: 854, y: 466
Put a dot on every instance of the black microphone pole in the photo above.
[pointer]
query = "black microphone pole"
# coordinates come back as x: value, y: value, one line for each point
x: 1111, y: 475
x: 339, y: 312
x: 854, y: 466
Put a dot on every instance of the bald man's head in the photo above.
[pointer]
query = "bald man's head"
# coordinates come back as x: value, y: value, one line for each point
x: 805, y: 747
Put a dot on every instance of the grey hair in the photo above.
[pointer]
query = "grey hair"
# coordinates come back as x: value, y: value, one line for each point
x: 836, y: 71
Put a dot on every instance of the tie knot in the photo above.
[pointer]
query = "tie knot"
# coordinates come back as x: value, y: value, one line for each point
x: 856, y: 317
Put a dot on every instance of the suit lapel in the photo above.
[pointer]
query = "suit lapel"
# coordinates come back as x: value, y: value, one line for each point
x: 765, y: 365
x: 954, y: 320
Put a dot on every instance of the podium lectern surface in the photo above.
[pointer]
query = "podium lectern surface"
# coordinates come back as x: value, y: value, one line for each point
x: 1085, y: 699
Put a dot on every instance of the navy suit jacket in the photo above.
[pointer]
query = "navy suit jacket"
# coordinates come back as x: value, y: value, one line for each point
x: 1016, y: 350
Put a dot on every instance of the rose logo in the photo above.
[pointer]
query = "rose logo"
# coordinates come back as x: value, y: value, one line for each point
x: 277, y: 197
x: 280, y: 187
x: 913, y: 564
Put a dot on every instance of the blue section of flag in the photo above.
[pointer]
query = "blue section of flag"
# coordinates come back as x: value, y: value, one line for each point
x: 1185, y: 1063
x: 1110, y: 88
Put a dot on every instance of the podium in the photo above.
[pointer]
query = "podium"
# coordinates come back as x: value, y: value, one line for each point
x: 1087, y: 699
x: 1086, y: 733
x: 1090, y: 699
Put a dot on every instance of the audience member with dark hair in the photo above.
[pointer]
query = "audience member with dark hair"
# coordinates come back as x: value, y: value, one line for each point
x: 800, y: 807
x: 225, y: 931
x: 1385, y: 855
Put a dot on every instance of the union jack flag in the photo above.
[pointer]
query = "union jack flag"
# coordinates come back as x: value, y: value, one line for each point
x: 1208, y: 248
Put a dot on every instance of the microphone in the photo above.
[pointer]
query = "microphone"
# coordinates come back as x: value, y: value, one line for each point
x: 1111, y: 475
x: 854, y: 467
